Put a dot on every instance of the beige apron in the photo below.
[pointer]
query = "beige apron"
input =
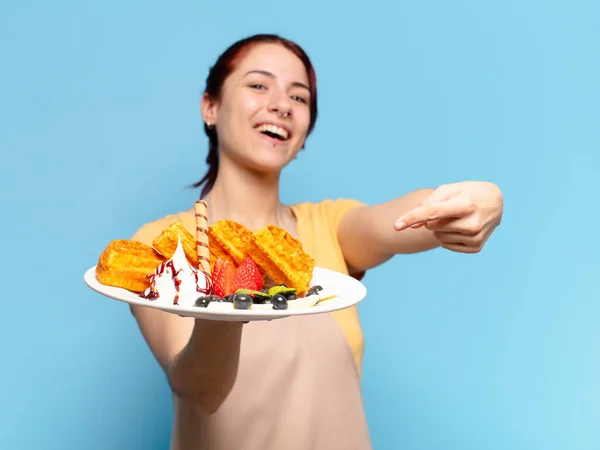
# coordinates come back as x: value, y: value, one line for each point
x: 297, y: 388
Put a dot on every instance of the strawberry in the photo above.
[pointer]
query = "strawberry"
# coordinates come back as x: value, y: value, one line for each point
x: 218, y: 265
x: 253, y: 268
x: 247, y: 276
x: 223, y: 279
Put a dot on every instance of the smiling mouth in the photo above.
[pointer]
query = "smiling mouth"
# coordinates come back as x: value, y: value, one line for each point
x: 274, y: 132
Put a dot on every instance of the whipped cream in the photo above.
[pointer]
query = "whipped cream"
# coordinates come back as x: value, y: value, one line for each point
x: 176, y: 280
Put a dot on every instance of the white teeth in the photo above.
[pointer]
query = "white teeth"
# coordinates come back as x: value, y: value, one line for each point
x: 273, y: 129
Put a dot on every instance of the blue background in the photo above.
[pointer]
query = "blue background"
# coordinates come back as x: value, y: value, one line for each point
x: 498, y: 350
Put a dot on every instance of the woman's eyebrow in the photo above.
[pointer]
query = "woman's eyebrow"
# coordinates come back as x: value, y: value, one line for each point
x: 272, y: 75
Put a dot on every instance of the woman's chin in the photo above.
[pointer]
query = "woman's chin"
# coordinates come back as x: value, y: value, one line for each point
x: 270, y: 164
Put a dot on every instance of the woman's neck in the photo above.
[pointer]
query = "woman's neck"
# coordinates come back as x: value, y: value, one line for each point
x: 251, y: 199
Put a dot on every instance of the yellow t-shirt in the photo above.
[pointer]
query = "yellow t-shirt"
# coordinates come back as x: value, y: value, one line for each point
x: 317, y: 226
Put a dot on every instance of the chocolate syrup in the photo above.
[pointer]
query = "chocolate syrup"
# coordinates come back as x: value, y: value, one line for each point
x: 207, y: 282
x: 151, y: 295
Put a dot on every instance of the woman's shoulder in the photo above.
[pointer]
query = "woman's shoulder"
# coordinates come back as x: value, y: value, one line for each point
x: 330, y: 209
x: 148, y: 231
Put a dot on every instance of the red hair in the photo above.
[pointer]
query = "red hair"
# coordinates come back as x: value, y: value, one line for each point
x: 225, y: 65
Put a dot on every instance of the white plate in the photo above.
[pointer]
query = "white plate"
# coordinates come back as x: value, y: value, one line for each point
x: 348, y: 290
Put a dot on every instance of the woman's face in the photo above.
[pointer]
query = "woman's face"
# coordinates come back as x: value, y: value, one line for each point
x: 263, y: 115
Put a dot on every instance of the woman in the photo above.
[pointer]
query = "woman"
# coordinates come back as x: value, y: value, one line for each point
x: 292, y: 383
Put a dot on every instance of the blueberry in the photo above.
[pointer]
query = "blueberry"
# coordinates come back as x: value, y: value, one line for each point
x: 314, y: 290
x: 291, y: 296
x: 279, y: 302
x: 228, y: 298
x: 241, y: 301
x: 203, y: 301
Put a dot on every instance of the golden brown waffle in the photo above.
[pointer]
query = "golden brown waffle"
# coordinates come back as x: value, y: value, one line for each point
x: 229, y: 240
x: 280, y: 256
x: 126, y: 264
x: 166, y: 242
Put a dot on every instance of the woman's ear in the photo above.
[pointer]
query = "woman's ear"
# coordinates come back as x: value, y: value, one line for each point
x: 208, y: 109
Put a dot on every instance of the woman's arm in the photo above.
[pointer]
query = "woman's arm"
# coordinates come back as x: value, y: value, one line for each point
x: 459, y: 217
x: 200, y: 357
x: 368, y: 238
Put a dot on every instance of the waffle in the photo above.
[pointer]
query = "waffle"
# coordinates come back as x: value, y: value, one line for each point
x: 280, y: 256
x: 229, y: 240
x: 166, y: 242
x: 126, y: 264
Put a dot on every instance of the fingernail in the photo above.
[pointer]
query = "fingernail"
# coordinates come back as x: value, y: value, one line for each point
x: 399, y: 225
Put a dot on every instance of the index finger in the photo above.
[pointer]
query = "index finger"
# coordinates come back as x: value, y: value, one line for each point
x: 453, y: 208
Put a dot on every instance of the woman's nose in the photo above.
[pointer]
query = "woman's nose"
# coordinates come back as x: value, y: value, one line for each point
x: 281, y: 104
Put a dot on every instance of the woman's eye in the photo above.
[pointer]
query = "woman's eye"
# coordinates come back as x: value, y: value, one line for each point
x: 299, y: 99
x: 257, y: 86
